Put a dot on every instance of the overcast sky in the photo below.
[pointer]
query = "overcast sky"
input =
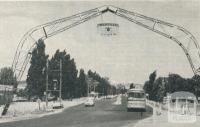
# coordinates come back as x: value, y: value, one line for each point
x: 129, y: 57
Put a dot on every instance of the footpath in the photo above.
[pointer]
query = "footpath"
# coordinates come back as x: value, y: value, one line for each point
x: 160, y: 119
x: 28, y: 110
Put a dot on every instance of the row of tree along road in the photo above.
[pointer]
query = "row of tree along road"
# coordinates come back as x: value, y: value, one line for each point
x: 158, y: 88
x: 75, y: 83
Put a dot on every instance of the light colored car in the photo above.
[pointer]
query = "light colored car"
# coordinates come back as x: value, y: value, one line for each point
x: 57, y: 105
x: 90, y: 101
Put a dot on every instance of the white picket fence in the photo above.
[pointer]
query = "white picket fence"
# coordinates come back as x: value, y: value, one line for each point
x: 157, y: 107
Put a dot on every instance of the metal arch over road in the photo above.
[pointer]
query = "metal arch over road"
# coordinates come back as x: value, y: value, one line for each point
x: 173, y: 32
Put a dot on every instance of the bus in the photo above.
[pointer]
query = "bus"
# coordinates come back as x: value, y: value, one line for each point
x: 136, y: 99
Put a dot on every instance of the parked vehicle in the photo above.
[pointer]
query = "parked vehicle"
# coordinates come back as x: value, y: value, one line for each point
x: 90, y: 101
x: 57, y: 105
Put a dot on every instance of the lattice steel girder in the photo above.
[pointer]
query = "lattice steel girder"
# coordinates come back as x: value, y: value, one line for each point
x: 173, y: 32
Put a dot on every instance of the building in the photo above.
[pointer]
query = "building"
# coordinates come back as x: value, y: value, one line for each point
x: 182, y: 107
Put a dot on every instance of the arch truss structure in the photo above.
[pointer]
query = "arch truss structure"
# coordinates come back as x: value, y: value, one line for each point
x: 176, y: 33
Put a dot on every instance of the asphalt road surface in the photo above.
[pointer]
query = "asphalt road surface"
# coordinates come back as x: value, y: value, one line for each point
x: 103, y: 114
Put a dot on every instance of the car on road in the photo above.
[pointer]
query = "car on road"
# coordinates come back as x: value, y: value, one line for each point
x: 90, y: 101
x: 57, y: 105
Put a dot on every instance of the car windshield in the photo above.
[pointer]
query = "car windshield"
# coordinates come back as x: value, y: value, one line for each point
x: 136, y: 95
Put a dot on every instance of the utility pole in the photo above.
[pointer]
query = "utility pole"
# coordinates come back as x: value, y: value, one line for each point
x: 56, y: 87
x: 88, y: 80
x: 60, y: 91
x: 87, y: 85
x: 47, y: 79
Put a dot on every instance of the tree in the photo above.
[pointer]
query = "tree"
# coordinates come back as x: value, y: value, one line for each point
x: 69, y: 73
x: 152, y: 77
x: 132, y: 86
x: 148, y: 86
x: 175, y: 83
x: 104, y: 86
x: 195, y: 81
x: 158, y: 89
x: 37, y: 71
x: 82, y: 84
x: 7, y: 76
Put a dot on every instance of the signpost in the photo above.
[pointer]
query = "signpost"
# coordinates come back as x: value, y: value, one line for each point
x: 60, y: 89
x: 47, y: 79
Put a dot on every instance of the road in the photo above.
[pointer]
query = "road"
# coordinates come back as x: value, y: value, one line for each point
x: 104, y: 114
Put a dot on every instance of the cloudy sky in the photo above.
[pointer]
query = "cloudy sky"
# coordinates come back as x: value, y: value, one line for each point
x: 129, y: 57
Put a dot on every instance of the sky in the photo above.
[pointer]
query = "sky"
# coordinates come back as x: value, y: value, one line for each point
x: 128, y: 57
